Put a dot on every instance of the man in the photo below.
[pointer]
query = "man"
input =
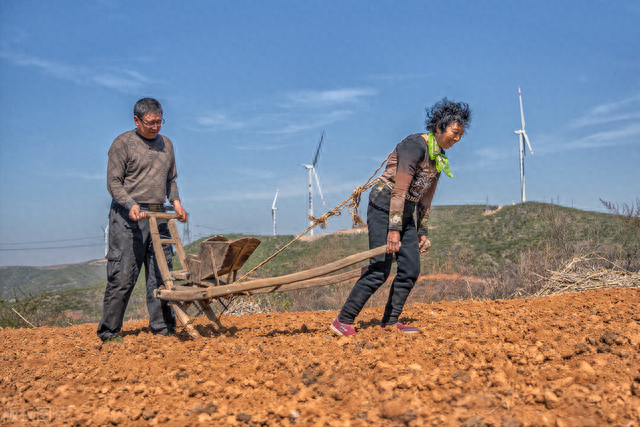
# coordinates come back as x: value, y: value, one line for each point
x: 141, y: 175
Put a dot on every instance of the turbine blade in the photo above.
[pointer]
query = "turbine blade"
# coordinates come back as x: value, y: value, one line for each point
x: 319, y: 189
x: 521, y: 110
x: 274, y: 199
x: 526, y: 138
x: 315, y: 158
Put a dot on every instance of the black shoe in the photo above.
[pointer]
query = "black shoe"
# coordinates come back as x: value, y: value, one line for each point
x: 166, y: 333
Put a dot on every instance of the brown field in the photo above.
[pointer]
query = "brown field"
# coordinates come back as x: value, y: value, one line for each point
x: 561, y: 360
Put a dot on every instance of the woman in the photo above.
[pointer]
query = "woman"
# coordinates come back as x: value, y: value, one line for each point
x: 408, y: 183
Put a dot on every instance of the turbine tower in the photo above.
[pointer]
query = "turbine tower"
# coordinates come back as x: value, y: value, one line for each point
x: 186, y: 233
x: 522, y: 136
x: 312, y: 173
x: 273, y: 211
x: 106, y: 240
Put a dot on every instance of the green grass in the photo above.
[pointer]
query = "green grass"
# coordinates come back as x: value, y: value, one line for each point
x: 463, y: 240
x: 493, y: 240
x: 36, y: 280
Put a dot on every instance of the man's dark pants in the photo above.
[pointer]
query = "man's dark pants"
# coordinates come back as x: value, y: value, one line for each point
x: 408, y: 260
x: 129, y: 248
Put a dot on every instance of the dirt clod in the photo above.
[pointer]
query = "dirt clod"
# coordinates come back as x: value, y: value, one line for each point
x: 608, y: 338
x: 535, y: 362
x: 148, y: 415
x: 243, y: 417
x: 635, y: 389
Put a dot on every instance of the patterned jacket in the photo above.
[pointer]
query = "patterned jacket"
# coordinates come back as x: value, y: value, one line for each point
x: 409, y: 181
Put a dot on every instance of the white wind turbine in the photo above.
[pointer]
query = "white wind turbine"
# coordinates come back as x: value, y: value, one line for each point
x: 522, y: 136
x: 312, y: 173
x: 106, y: 239
x: 273, y: 211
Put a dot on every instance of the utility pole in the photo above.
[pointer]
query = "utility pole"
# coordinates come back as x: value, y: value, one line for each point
x: 186, y: 233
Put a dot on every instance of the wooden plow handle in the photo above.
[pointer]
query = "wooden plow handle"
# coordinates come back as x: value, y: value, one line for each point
x: 168, y: 276
x: 162, y: 215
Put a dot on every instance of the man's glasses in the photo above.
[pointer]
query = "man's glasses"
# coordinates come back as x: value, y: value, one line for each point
x: 152, y: 124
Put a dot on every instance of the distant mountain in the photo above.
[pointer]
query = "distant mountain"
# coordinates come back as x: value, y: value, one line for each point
x: 24, y: 281
x: 485, y: 237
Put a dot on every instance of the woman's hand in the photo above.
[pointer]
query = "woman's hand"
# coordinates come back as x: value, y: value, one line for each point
x: 424, y: 243
x: 393, y: 241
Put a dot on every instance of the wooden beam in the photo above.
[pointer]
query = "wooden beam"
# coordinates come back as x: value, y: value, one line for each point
x: 313, y: 283
x: 246, y: 287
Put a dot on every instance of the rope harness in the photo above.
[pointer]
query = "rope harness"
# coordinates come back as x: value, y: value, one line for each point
x: 351, y: 203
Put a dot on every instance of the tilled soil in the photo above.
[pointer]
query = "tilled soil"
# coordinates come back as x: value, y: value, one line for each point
x: 563, y: 360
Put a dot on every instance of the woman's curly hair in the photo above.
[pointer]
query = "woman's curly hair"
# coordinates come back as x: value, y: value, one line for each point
x: 445, y: 112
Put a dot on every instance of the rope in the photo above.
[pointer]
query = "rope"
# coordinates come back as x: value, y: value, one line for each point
x: 198, y: 314
x: 352, y: 203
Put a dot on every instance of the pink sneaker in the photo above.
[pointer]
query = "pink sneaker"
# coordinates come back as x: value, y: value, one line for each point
x: 404, y: 328
x: 342, y: 329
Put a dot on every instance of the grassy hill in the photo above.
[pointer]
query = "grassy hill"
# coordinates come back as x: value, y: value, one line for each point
x: 23, y: 281
x: 512, y: 245
x: 494, y: 239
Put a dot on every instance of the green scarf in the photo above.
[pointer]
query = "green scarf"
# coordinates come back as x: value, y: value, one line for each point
x: 435, y: 153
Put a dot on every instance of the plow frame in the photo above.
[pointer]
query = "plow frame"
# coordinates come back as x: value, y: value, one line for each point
x: 220, y: 258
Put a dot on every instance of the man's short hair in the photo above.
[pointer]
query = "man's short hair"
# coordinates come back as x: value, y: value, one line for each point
x: 145, y: 106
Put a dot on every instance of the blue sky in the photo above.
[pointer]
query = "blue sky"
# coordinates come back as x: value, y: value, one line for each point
x: 248, y: 87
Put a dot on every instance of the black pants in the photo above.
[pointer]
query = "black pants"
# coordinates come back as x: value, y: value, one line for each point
x: 130, y: 247
x: 408, y: 259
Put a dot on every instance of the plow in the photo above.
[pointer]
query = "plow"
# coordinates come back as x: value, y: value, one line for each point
x: 211, y: 275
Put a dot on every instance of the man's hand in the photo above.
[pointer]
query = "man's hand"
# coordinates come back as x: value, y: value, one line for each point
x: 393, y: 241
x: 135, y: 214
x: 424, y: 243
x: 184, y: 216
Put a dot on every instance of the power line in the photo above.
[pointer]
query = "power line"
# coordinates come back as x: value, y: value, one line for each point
x: 223, y: 230
x: 51, y: 247
x: 52, y: 241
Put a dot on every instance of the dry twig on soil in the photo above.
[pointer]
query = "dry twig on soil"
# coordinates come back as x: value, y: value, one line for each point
x: 582, y: 274
x: 29, y: 323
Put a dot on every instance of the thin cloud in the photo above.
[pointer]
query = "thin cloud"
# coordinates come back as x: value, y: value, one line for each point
x: 303, y: 124
x: 119, y: 83
x: 287, y: 114
x: 263, y: 147
x: 342, y: 187
x: 255, y: 173
x: 398, y: 77
x: 491, y: 153
x: 61, y: 71
x: 122, y: 80
x: 487, y: 156
x: 84, y: 175
x: 620, y: 136
x: 594, y: 120
x: 326, y: 97
x: 291, y: 188
x: 222, y: 121
x: 612, y: 106
x: 610, y: 112
x: 269, y: 124
x: 244, y: 196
